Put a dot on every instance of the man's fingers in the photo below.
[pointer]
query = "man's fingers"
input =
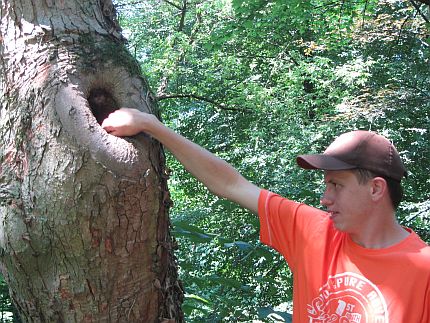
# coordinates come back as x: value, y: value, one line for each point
x: 106, y: 123
x: 110, y: 122
x: 120, y: 123
x: 114, y: 133
x: 108, y: 128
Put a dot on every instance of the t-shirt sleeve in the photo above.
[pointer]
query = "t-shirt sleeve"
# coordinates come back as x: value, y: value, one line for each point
x: 288, y: 226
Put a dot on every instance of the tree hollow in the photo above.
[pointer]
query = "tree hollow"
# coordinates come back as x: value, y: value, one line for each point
x: 102, y: 103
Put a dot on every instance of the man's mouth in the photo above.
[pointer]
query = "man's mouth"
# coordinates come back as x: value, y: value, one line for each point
x: 333, y: 214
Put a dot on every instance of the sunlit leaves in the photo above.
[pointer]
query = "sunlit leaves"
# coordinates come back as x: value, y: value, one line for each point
x: 295, y: 74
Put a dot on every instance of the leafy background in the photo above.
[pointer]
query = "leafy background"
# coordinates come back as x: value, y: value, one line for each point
x: 257, y: 83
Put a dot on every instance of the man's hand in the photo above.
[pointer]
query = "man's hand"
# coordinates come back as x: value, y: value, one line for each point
x: 126, y: 122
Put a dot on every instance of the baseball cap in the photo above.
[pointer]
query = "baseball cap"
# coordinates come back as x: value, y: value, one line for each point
x: 358, y: 149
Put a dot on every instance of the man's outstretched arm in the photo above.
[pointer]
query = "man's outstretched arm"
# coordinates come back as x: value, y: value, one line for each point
x: 217, y: 175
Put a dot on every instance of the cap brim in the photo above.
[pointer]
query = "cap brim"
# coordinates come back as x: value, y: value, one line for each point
x: 320, y: 161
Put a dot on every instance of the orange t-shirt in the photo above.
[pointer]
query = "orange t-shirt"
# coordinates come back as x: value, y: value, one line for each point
x: 336, y: 280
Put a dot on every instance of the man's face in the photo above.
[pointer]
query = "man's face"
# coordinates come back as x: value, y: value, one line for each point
x: 348, y: 202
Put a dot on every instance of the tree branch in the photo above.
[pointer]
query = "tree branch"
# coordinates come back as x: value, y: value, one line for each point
x: 400, y: 31
x: 411, y: 86
x: 183, y: 13
x: 121, y: 5
x: 340, y: 12
x: 165, y: 79
x: 427, y: 2
x: 416, y: 6
x: 221, y: 106
x: 364, y: 12
x: 173, y: 4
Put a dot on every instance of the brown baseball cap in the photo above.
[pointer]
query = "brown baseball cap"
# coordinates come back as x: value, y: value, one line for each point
x: 358, y: 149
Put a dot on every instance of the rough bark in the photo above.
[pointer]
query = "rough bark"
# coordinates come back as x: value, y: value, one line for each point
x: 84, y: 228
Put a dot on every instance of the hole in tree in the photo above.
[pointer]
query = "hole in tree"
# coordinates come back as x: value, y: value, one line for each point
x: 102, y: 103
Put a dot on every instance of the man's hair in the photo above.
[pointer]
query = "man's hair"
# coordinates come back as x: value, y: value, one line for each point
x: 395, y: 189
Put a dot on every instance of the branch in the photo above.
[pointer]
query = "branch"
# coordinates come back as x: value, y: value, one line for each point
x: 221, y: 106
x: 423, y: 92
x: 424, y: 1
x: 183, y: 13
x: 325, y: 5
x: 364, y: 12
x: 173, y: 4
x: 340, y: 12
x: 400, y: 31
x: 133, y: 3
x: 416, y: 6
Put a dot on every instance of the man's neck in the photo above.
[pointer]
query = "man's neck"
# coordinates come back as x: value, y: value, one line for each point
x: 382, y: 236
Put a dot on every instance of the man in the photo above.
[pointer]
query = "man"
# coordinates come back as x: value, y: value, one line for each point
x: 352, y: 263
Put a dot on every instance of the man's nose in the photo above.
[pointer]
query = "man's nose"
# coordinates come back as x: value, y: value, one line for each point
x: 326, y: 200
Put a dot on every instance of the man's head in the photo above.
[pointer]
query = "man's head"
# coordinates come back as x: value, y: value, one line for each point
x: 362, y: 150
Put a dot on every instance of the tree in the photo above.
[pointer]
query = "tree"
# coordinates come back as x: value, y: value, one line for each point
x: 84, y: 230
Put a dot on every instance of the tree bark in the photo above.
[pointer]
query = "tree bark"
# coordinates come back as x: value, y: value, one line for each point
x: 84, y: 227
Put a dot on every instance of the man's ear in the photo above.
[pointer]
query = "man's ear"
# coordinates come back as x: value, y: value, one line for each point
x: 378, y: 188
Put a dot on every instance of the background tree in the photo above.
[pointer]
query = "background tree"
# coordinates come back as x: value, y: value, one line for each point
x: 258, y: 82
x: 84, y: 230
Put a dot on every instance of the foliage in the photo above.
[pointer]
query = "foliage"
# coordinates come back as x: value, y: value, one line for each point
x: 7, y: 311
x: 258, y: 82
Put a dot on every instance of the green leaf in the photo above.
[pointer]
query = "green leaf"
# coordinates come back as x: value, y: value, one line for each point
x: 275, y: 316
x: 197, y: 298
x: 195, y: 234
x: 244, y: 246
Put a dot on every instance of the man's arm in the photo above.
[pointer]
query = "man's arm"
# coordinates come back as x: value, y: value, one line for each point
x: 217, y: 175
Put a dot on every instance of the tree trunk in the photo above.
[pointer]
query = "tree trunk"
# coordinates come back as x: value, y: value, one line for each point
x: 84, y: 228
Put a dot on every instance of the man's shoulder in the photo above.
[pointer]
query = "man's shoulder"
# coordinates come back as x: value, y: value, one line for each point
x: 274, y: 200
x: 416, y: 239
x: 421, y: 250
